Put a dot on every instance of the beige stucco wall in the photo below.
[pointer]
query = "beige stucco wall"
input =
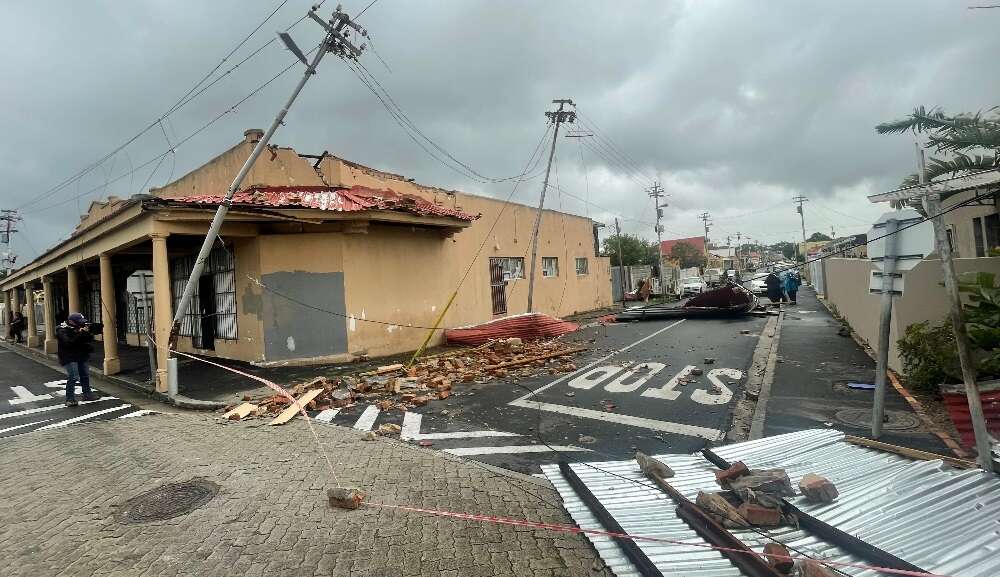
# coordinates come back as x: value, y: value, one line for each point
x: 923, y: 299
x: 960, y: 222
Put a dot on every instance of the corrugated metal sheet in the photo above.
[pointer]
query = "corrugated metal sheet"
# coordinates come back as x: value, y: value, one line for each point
x: 944, y: 520
x: 354, y: 199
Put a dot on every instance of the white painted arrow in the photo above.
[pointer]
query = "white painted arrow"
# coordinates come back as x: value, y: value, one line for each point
x: 411, y: 431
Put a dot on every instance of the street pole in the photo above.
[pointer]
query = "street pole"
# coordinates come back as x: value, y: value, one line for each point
x: 335, y: 41
x: 704, y: 220
x: 882, y: 362
x: 621, y: 263
x: 557, y: 118
x: 932, y: 207
x: 802, y: 220
x: 656, y: 192
x: 738, y: 259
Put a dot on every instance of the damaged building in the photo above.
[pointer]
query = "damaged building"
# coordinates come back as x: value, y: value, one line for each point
x: 320, y: 260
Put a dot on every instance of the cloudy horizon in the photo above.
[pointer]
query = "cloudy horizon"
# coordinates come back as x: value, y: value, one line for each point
x: 734, y: 107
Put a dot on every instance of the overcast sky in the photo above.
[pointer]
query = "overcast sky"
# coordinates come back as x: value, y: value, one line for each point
x: 734, y: 106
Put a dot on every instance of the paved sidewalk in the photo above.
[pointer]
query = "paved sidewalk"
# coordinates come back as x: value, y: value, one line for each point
x: 60, y: 491
x: 810, y: 390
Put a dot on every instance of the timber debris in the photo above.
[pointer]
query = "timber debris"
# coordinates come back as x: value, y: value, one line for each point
x: 398, y: 387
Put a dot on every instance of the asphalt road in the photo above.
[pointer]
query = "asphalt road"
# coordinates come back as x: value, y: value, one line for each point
x: 32, y: 398
x: 628, y: 392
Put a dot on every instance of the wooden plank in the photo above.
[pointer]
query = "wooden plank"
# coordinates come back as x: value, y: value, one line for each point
x: 388, y: 369
x: 240, y: 411
x: 292, y: 409
x: 911, y: 453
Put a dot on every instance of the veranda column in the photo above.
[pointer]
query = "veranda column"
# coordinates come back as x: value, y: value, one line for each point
x: 112, y: 365
x: 162, y: 316
x: 32, y: 323
x: 51, y: 344
x: 73, y: 288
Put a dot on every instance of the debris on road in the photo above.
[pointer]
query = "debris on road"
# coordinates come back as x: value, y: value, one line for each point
x: 524, y: 326
x: 729, y: 300
x: 818, y: 489
x: 649, y: 465
x: 398, y: 387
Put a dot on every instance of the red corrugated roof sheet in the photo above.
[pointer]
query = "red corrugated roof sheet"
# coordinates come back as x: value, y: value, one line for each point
x: 696, y: 241
x: 525, y: 326
x: 354, y: 199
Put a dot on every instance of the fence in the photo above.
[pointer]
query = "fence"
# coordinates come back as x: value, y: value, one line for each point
x: 845, y: 283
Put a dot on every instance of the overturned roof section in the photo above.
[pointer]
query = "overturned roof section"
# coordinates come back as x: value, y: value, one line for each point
x: 354, y: 199
x: 696, y: 241
x: 941, y: 519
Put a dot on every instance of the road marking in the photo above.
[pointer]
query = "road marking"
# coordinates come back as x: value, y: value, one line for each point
x: 665, y: 426
x: 411, y: 431
x: 327, y: 415
x: 367, y: 419
x: 595, y: 363
x: 50, y: 408
x: 724, y: 395
x: 515, y: 449
x: 55, y: 384
x: 667, y: 392
x: 618, y: 384
x: 26, y: 396
x: 83, y: 417
x: 138, y: 413
x: 24, y: 425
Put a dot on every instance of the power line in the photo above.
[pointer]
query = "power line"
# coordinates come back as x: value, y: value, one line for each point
x: 183, y: 101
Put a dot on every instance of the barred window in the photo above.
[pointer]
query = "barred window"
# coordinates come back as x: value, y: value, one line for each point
x: 550, y: 266
x: 512, y: 267
x: 221, y: 266
x: 582, y: 266
x: 91, y: 304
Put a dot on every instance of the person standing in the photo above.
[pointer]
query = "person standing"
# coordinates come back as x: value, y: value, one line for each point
x: 16, y: 326
x: 774, y: 288
x: 75, y: 346
x: 792, y: 283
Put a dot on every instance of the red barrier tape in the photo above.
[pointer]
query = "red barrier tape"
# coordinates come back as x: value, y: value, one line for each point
x: 560, y: 528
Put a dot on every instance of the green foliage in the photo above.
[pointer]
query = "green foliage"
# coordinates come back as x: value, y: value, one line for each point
x: 817, y: 236
x: 954, y: 135
x: 687, y: 255
x: 786, y: 248
x: 929, y: 356
x: 635, y: 250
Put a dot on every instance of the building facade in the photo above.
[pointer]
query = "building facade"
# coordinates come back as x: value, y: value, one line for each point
x: 320, y: 260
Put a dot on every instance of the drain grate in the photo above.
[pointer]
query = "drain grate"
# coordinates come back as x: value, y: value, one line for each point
x: 862, y: 418
x: 169, y: 501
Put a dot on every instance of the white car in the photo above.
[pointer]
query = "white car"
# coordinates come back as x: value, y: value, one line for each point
x: 692, y: 286
x: 756, y: 284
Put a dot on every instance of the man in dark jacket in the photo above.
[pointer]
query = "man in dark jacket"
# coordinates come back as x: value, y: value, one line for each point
x: 775, y: 290
x: 75, y: 346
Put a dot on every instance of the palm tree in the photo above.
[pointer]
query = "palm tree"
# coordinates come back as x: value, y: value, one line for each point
x: 971, y: 141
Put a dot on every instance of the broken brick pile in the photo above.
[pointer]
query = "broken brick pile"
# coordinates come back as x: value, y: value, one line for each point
x: 755, y: 496
x: 400, y: 387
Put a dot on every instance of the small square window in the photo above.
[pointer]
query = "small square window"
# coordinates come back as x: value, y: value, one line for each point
x: 550, y: 266
x: 582, y: 266
x: 513, y: 267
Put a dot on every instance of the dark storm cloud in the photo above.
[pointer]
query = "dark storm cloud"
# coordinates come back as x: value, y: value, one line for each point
x: 734, y: 106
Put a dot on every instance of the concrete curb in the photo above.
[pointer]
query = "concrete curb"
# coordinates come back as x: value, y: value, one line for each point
x: 760, y: 409
x: 180, y: 401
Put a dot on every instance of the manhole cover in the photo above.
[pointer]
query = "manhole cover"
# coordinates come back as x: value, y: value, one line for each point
x: 168, y: 501
x: 862, y: 418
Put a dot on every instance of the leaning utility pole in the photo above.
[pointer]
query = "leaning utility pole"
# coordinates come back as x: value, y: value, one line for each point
x: 738, y: 246
x: 621, y: 261
x: 336, y: 41
x: 557, y: 118
x: 802, y: 219
x: 656, y: 193
x: 704, y: 220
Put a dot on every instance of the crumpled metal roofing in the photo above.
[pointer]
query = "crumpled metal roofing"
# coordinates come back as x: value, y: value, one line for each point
x: 944, y: 520
x: 354, y: 199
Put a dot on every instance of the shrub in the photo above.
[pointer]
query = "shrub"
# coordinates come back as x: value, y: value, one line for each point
x: 929, y: 355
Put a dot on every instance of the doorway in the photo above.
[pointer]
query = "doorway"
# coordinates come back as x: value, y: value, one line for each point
x: 498, y: 287
x: 206, y: 304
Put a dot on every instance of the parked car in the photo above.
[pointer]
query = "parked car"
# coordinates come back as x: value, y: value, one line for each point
x: 713, y: 276
x: 692, y: 285
x: 756, y: 283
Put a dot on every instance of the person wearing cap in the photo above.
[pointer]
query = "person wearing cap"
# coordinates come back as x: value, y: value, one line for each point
x: 75, y: 346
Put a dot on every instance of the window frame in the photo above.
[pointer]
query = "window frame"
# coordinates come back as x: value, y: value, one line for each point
x: 505, y: 266
x: 586, y: 266
x: 550, y: 260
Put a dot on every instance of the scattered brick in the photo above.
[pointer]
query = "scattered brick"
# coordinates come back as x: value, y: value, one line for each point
x: 760, y: 515
x: 778, y: 558
x: 724, y: 476
x: 818, y: 489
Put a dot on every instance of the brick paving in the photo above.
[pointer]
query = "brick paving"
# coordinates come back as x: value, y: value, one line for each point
x: 60, y: 491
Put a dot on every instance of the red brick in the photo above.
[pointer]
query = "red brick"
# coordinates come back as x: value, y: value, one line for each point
x: 812, y: 568
x: 818, y: 489
x: 758, y: 515
x: 737, y: 469
x: 778, y: 558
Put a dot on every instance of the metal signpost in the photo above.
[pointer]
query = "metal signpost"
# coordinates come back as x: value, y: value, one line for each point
x: 903, y: 240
